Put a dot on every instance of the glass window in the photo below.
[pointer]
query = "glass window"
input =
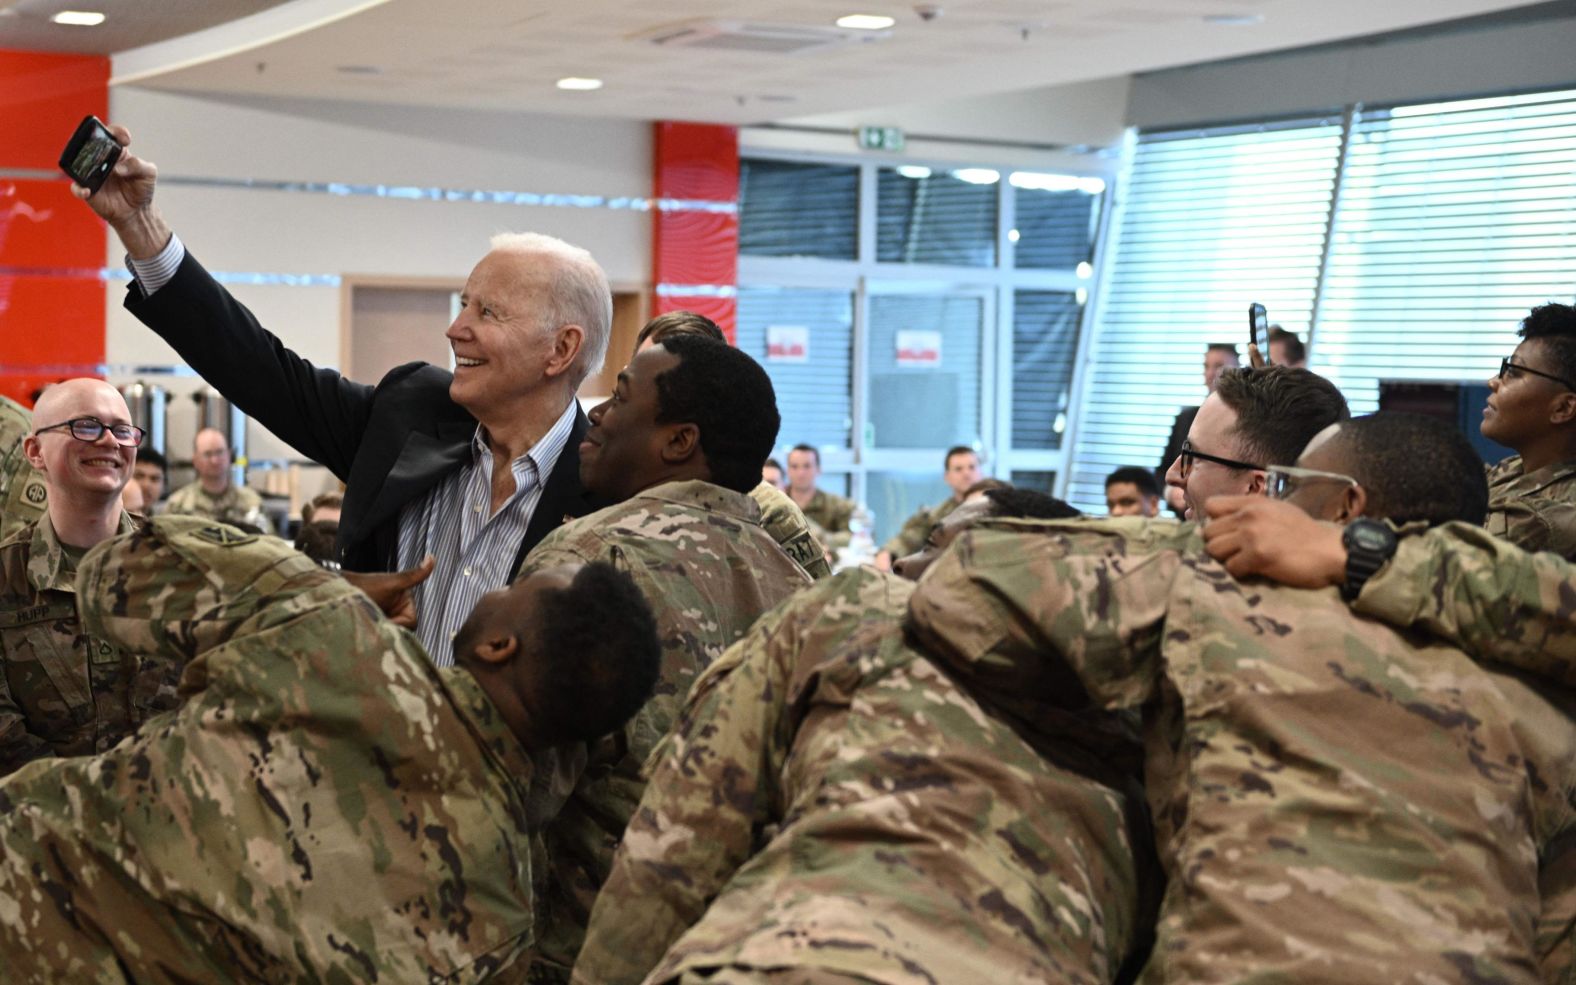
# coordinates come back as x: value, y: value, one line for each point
x: 893, y: 497
x: 1044, y: 482
x: 788, y: 209
x: 1044, y: 343
x: 804, y: 338
x: 1057, y: 218
x: 925, y: 370
x: 944, y: 217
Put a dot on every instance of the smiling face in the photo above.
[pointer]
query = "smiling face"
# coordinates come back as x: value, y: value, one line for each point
x: 501, y: 345
x: 1521, y: 404
x: 1213, y: 433
x: 74, y: 468
x: 623, y: 451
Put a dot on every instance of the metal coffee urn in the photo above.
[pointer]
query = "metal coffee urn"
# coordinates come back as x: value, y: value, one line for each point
x: 149, y: 405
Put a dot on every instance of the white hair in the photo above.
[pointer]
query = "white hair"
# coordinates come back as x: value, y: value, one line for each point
x: 577, y: 293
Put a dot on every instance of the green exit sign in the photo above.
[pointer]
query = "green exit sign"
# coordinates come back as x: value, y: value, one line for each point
x: 881, y: 138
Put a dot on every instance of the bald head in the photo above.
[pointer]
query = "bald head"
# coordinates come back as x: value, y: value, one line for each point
x: 211, y: 459
x: 85, y: 477
x: 73, y: 398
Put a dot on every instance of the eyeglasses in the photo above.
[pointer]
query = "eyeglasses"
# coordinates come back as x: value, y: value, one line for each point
x: 1281, y: 481
x: 92, y: 429
x: 1506, y: 366
x: 1188, y: 454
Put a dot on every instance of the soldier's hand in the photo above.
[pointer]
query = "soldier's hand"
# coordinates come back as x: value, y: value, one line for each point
x: 1255, y: 357
x: 391, y: 590
x: 1253, y: 535
x: 125, y: 201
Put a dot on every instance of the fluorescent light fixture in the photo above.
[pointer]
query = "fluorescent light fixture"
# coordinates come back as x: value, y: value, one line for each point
x: 1013, y: 235
x: 915, y: 171
x: 577, y: 84
x: 977, y: 176
x: 1234, y: 20
x: 866, y: 22
x: 79, y: 18
x: 1039, y: 181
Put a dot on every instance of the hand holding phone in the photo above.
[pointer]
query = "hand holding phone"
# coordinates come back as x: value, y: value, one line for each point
x: 1259, y: 333
x: 90, y: 154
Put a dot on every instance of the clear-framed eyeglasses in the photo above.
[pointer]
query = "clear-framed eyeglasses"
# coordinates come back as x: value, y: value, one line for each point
x: 1281, y: 481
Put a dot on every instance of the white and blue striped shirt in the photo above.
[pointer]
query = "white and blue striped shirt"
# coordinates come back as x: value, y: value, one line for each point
x: 474, y: 548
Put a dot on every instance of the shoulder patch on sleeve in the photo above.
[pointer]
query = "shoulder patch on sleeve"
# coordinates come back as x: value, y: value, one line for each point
x: 223, y: 536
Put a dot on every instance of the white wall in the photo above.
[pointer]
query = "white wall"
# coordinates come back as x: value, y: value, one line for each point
x: 267, y: 231
x: 1453, y: 63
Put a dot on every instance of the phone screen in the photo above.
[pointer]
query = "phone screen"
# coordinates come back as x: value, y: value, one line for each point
x: 90, y: 154
x: 1259, y: 332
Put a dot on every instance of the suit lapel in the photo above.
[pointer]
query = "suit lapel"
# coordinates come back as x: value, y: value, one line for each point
x: 423, y: 460
x: 563, y: 497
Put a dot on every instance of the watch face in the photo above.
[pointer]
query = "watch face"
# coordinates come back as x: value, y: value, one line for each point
x: 1371, y: 537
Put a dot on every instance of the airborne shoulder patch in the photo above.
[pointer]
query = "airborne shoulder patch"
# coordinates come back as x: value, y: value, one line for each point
x: 34, y: 493
x: 223, y: 536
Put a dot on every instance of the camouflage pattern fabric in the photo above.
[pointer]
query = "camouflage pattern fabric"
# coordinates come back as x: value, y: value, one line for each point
x: 783, y: 519
x: 325, y: 807
x: 916, y: 529
x: 1503, y: 604
x: 63, y: 692
x: 833, y: 803
x: 22, y: 490
x: 699, y: 554
x: 1535, y: 511
x: 1334, y: 800
x: 829, y: 513
x: 237, y: 504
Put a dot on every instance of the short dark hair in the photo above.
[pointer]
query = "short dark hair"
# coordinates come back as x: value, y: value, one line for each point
x: 1142, y: 478
x: 332, y: 500
x: 729, y: 397
x: 1279, y: 410
x: 1415, y: 467
x: 984, y: 485
x: 772, y: 463
x: 809, y: 448
x: 597, y: 649
x: 153, y: 456
x: 1224, y: 347
x: 1014, y: 502
x: 1555, y: 324
x: 955, y: 450
x: 315, y: 539
x: 1296, y: 352
x: 672, y: 323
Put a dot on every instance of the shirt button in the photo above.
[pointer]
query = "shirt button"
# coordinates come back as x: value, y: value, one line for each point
x: 452, y: 634
x: 476, y: 509
x: 467, y: 572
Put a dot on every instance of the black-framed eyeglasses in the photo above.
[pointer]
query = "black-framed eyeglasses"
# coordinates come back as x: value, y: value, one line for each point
x: 1188, y: 454
x: 1282, y: 481
x: 92, y: 429
x: 1505, y: 366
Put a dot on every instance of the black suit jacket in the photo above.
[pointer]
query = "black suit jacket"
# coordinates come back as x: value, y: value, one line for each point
x: 389, y: 443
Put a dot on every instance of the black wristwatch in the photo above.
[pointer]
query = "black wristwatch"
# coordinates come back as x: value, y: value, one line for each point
x: 1369, y: 544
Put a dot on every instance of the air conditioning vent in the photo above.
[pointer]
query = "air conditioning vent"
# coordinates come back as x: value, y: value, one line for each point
x: 756, y: 37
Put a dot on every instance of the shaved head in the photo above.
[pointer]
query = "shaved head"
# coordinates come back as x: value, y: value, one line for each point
x: 65, y: 400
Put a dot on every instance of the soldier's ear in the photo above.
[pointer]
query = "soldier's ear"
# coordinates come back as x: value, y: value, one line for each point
x: 1563, y: 408
x: 497, y: 649
x: 682, y: 444
x: 1354, y: 500
x: 33, y: 451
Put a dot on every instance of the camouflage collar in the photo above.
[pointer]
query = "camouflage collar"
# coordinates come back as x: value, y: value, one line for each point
x: 1510, y: 477
x: 482, y: 719
x: 706, y: 496
x: 46, y: 557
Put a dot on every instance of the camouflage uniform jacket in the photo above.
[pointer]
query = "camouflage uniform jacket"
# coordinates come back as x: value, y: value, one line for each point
x: 700, y: 556
x: 783, y: 519
x: 22, y: 490
x: 1334, y: 801
x: 325, y: 807
x: 828, y: 512
x: 1502, y: 604
x: 62, y: 691
x: 1537, y: 510
x: 832, y: 799
x: 916, y: 529
x: 237, y: 504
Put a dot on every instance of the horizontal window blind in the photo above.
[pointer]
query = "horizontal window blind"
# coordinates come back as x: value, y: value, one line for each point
x: 789, y: 209
x: 936, y: 217
x: 1044, y: 341
x: 814, y: 388
x: 1213, y: 221
x: 1455, y: 219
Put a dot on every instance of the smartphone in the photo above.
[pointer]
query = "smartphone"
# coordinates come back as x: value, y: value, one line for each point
x: 1259, y: 329
x: 90, y: 154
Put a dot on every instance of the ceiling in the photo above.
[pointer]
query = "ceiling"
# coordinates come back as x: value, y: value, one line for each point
x: 507, y: 54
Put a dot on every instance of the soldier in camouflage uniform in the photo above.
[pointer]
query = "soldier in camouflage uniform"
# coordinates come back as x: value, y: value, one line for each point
x: 836, y: 803
x: 829, y: 514
x: 960, y: 472
x: 22, y: 489
x: 780, y: 515
x: 214, y: 493
x: 677, y: 448
x: 1532, y: 409
x: 1333, y: 800
x: 327, y: 806
x: 62, y: 691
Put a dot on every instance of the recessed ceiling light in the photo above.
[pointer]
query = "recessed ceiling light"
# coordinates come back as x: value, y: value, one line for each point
x: 866, y: 22
x: 977, y: 176
x: 578, y: 84
x: 1234, y: 20
x: 79, y: 18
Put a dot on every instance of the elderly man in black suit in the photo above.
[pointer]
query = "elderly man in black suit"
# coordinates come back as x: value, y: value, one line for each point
x: 472, y: 468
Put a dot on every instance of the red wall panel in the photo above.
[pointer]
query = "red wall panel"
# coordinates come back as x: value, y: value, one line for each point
x: 696, y: 162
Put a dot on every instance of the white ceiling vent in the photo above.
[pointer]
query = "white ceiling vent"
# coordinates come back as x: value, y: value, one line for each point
x: 756, y: 37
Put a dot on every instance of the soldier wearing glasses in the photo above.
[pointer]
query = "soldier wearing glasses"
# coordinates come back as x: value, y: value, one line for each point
x: 1255, y: 418
x: 1532, y: 409
x: 63, y: 693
